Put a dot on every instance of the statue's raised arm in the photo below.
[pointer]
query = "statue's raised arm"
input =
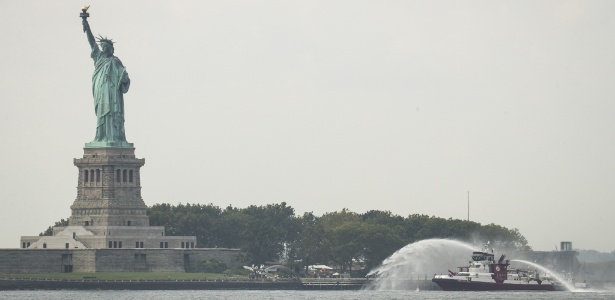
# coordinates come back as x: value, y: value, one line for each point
x: 86, y: 26
x: 88, y: 33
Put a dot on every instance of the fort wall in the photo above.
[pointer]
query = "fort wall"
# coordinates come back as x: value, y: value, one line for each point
x: 111, y: 260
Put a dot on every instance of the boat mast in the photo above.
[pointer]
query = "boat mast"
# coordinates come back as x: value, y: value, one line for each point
x: 468, y: 206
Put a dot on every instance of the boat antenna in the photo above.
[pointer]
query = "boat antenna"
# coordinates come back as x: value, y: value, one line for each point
x: 468, y: 206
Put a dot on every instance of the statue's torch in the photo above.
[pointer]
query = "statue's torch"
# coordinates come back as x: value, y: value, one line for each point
x: 84, y: 15
x: 84, y: 12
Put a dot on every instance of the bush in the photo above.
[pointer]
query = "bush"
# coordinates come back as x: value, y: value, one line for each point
x: 212, y: 266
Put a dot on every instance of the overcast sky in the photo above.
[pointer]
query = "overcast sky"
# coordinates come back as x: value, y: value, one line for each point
x: 402, y: 106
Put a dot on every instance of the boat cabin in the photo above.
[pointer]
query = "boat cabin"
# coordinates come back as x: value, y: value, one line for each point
x: 482, y: 256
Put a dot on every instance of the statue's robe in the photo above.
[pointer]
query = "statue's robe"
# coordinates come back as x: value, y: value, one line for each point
x: 108, y: 90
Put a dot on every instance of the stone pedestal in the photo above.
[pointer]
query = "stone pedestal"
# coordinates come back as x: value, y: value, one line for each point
x: 109, y: 189
x: 108, y: 211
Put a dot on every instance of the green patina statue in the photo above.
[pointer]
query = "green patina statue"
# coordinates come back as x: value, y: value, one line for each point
x: 109, y: 83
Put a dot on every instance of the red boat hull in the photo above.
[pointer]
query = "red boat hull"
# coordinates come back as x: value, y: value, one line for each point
x: 464, y: 285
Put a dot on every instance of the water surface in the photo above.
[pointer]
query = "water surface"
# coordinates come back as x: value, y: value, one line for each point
x: 302, y: 295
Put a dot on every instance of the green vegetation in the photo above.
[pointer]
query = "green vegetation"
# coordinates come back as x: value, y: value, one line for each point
x: 212, y: 266
x: 49, y: 230
x: 266, y: 233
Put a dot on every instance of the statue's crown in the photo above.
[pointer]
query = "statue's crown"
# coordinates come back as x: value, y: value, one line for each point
x: 102, y: 39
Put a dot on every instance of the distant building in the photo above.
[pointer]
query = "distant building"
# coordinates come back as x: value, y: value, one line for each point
x: 563, y: 261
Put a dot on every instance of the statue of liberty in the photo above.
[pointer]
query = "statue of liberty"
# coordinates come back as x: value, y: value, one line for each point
x: 109, y: 83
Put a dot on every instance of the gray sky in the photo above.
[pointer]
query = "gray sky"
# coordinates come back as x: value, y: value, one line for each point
x: 388, y: 105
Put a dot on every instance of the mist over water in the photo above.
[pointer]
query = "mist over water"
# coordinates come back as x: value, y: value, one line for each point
x: 420, y: 260
x: 552, y: 273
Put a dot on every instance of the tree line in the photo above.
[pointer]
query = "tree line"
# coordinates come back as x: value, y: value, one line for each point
x: 266, y: 233
x: 270, y: 232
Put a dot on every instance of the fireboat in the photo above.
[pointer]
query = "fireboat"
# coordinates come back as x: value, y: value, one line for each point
x: 485, y: 274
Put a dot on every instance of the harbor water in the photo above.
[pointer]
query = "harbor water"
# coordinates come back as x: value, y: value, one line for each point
x: 301, y: 295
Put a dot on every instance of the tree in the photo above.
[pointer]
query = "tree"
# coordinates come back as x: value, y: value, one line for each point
x: 187, y: 220
x: 49, y: 230
x: 504, y: 238
x: 379, y: 242
x: 312, y: 246
x: 343, y: 231
x: 269, y: 228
